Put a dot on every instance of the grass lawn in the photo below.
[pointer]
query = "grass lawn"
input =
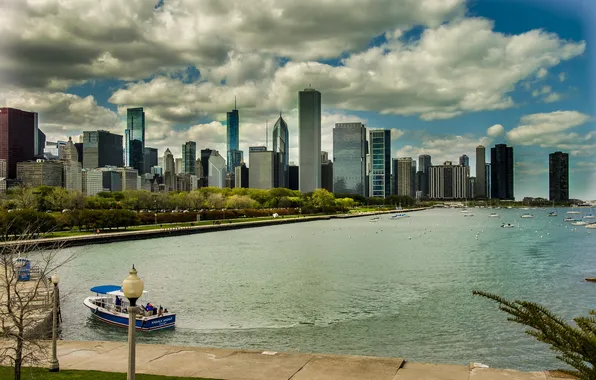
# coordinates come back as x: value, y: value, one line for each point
x: 43, y: 373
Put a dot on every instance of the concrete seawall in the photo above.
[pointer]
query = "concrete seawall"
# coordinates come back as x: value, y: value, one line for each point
x: 232, y: 364
x: 112, y: 237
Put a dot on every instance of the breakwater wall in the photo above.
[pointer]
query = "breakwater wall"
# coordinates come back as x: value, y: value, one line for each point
x: 113, y: 237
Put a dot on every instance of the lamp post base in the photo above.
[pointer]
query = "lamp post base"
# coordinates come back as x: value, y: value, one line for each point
x: 55, y: 367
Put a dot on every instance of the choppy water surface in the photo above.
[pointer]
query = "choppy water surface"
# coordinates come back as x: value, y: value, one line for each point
x: 352, y: 286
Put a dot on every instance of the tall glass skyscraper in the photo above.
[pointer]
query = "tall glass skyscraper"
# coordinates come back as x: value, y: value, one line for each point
x: 309, y: 135
x: 501, y: 161
x: 281, y: 148
x: 349, y: 158
x: 558, y: 176
x: 134, y: 136
x: 380, y: 159
x: 424, y: 163
x: 189, y: 158
x: 233, y: 139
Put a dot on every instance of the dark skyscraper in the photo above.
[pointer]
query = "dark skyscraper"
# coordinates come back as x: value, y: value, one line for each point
x: 205, y: 154
x: 135, y: 138
x: 41, y: 143
x: 189, y: 157
x: 349, y: 158
x: 424, y: 162
x: 293, y: 174
x: 79, y: 147
x: 501, y: 157
x: 18, y: 134
x: 558, y: 177
x: 309, y: 137
x: 150, y: 159
x: 464, y: 160
x: 480, y: 172
x: 281, y: 147
x: 101, y: 148
x: 233, y: 139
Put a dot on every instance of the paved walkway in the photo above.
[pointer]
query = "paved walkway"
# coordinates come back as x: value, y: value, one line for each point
x: 229, y: 364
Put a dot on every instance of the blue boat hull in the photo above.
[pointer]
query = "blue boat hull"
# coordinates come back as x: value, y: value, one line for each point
x: 157, y: 323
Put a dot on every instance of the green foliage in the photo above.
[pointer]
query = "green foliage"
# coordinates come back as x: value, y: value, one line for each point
x: 25, y: 223
x: 575, y: 345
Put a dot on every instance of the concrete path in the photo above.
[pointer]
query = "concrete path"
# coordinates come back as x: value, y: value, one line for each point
x: 229, y: 364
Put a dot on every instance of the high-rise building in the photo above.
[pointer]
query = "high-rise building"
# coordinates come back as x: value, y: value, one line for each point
x: 380, y: 156
x: 217, y: 170
x: 309, y: 134
x: 262, y: 167
x: 68, y: 152
x: 424, y: 162
x: 294, y: 175
x: 461, y: 176
x: 558, y: 177
x: 501, y: 160
x: 40, y: 173
x: 281, y: 147
x: 129, y: 178
x: 150, y: 159
x: 480, y: 172
x: 449, y: 181
x: 179, y: 166
x: 189, y: 158
x: 349, y: 158
x: 326, y: 172
x: 134, y: 138
x: 205, y: 154
x: 199, y: 168
x: 92, y: 181
x: 404, y: 171
x: 18, y: 134
x: 169, y: 170
x: 471, y: 187
x: 73, y: 177
x: 233, y: 138
x: 464, y: 160
x: 487, y: 173
x: 79, y: 148
x: 241, y: 176
x: 101, y: 148
x: 40, y: 143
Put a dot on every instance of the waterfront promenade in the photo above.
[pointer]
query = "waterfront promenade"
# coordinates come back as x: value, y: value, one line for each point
x: 117, y: 236
x: 230, y: 364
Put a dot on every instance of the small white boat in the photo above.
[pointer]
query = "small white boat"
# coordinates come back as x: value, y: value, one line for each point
x: 507, y: 225
x: 399, y: 216
x: 589, y: 216
x: 493, y: 215
x: 579, y: 223
x: 465, y: 211
x: 573, y: 212
x: 591, y: 225
x: 374, y: 219
x: 468, y: 214
x: 570, y: 219
x: 527, y: 216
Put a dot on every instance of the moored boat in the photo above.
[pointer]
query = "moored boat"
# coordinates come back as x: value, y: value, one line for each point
x: 579, y: 223
x: 507, y: 225
x: 399, y: 216
x: 111, y: 306
x: 591, y: 225
x: 527, y: 216
x: 494, y: 215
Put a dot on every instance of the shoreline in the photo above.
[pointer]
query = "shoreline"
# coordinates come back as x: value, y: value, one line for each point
x: 228, y: 364
x: 113, y: 237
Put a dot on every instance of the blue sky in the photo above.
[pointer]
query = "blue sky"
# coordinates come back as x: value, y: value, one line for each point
x: 438, y: 74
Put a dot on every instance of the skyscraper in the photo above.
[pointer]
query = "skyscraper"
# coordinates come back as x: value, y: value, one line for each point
x: 217, y: 170
x: 404, y: 171
x: 480, y: 172
x: 178, y: 163
x: 233, y: 138
x: 464, y: 160
x: 101, y: 148
x: 349, y: 158
x: 309, y: 134
x: 424, y: 162
x: 501, y: 160
x: 169, y: 170
x: 150, y: 159
x: 380, y: 158
x: 326, y: 172
x: 262, y: 165
x: 558, y: 177
x: 134, y: 144
x: 281, y: 148
x: 189, y: 157
x: 18, y: 134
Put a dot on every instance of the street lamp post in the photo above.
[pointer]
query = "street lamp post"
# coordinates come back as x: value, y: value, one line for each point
x: 132, y: 287
x: 54, y: 365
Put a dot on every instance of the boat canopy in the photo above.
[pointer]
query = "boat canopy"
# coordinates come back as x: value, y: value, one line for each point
x: 115, y: 290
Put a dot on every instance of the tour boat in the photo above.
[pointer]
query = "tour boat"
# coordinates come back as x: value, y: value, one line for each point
x: 111, y: 306
x: 507, y: 225
x: 527, y: 216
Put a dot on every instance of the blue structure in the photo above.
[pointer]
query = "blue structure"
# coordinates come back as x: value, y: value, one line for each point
x: 233, y: 139
x: 134, y: 140
x: 380, y: 158
x: 24, y: 270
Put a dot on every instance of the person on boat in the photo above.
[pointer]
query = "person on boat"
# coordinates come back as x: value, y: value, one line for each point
x: 165, y: 311
x: 160, y: 312
x: 149, y: 307
x: 118, y: 303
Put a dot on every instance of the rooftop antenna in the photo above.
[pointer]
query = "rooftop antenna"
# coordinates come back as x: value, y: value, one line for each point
x: 266, y: 134
x: 235, y: 102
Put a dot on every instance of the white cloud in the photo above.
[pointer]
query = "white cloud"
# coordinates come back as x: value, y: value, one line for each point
x: 544, y: 90
x: 549, y: 130
x: 552, y: 97
x: 396, y: 133
x: 495, y: 131
x: 562, y: 77
x: 541, y: 73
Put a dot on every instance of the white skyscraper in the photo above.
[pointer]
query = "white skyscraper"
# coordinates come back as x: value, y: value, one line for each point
x: 309, y: 135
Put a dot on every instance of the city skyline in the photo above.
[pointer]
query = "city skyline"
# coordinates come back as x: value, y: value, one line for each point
x: 469, y: 99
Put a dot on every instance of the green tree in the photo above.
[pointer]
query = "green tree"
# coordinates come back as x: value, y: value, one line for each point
x: 575, y: 345
x: 59, y: 199
x: 25, y: 197
x: 322, y: 199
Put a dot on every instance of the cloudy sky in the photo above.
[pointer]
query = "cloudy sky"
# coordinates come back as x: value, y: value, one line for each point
x: 445, y: 75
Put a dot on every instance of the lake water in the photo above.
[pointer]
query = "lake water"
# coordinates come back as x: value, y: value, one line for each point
x: 352, y: 286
